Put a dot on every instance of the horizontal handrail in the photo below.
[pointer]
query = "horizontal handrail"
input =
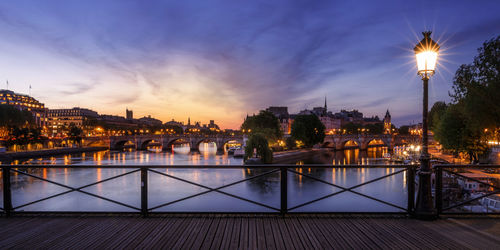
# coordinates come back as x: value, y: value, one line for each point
x: 271, y: 166
x: 478, y: 166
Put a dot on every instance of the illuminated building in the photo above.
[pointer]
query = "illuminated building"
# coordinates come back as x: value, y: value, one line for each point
x: 284, y: 118
x: 329, y: 120
x: 25, y: 102
x: 387, y: 123
x: 149, y: 121
x: 60, y: 119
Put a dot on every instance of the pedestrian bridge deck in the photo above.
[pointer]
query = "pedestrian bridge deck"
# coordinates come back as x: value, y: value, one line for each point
x: 247, y: 231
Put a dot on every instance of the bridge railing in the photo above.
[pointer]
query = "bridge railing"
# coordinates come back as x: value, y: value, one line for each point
x: 230, y: 189
x: 458, y: 189
x: 467, y: 189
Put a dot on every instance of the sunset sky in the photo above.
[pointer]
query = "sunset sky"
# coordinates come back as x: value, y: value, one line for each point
x: 223, y: 59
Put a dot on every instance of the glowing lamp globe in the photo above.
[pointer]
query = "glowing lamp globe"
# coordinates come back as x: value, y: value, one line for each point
x: 426, y: 52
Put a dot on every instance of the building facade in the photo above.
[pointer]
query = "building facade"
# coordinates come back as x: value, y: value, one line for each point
x: 284, y: 118
x: 60, y: 119
x: 387, y: 123
x: 129, y: 114
x: 25, y: 102
x: 149, y: 121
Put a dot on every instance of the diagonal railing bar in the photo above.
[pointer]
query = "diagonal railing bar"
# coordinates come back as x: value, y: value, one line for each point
x: 315, y: 200
x: 471, y: 200
x: 108, y: 179
x: 316, y: 179
x: 339, y: 192
x: 381, y: 201
x: 43, y: 199
x: 350, y: 189
x: 218, y: 191
x: 179, y: 200
x: 71, y: 189
x: 472, y: 179
x: 377, y: 179
x: 214, y: 189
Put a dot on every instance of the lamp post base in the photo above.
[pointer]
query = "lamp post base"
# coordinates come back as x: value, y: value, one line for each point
x: 424, y: 209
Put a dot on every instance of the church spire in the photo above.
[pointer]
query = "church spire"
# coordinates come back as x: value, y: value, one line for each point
x: 325, y: 103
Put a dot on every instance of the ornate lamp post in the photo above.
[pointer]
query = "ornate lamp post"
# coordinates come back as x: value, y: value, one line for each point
x: 426, y: 52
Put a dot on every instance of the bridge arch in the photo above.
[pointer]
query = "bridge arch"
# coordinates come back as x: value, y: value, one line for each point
x: 376, y: 142
x: 328, y: 144
x: 226, y: 141
x: 171, y: 141
x: 121, y: 144
x: 347, y: 143
x: 148, y: 142
x: 196, y: 145
x: 95, y: 143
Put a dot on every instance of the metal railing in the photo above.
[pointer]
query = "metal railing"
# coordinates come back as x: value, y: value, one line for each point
x: 145, y: 209
x: 472, y: 195
x: 446, y: 186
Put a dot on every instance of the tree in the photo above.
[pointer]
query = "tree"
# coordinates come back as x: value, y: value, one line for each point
x: 75, y: 134
x: 23, y: 136
x: 10, y: 116
x: 437, y: 111
x: 404, y: 130
x: 265, y: 123
x: 475, y: 108
x: 290, y: 143
x: 375, y: 129
x: 477, y: 86
x: 176, y: 129
x: 259, y: 142
x: 454, y: 134
x: 452, y: 129
x: 308, y: 129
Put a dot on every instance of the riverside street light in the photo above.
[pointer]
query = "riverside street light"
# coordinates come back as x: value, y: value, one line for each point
x: 426, y: 52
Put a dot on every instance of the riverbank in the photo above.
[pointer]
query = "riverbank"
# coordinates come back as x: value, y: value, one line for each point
x: 47, y: 152
x: 493, y: 158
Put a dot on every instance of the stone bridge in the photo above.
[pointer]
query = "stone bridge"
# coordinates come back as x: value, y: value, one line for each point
x: 141, y: 142
x: 361, y: 141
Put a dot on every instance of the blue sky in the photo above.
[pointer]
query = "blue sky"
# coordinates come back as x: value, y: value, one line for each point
x: 223, y: 59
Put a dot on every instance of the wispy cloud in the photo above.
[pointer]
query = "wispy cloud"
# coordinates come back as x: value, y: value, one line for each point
x: 221, y: 59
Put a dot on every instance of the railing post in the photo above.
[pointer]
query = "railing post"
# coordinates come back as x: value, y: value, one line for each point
x: 284, y: 191
x: 410, y: 182
x: 439, y: 189
x: 7, y: 194
x: 144, y: 191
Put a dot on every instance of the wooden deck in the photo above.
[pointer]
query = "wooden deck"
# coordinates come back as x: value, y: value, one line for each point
x: 246, y: 232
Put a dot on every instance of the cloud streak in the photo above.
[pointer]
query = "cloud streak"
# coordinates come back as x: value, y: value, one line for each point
x: 221, y: 59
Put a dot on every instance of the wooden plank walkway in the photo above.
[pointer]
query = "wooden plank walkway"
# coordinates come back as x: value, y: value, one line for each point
x: 246, y: 232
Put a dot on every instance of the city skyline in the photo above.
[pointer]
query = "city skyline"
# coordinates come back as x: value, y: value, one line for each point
x: 224, y: 60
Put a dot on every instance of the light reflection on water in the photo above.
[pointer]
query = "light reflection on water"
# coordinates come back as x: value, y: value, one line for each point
x: 162, y: 189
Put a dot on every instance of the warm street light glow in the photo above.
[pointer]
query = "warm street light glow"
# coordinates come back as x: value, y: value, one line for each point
x: 426, y: 52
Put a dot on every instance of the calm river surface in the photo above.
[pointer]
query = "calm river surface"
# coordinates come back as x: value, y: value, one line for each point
x: 163, y: 189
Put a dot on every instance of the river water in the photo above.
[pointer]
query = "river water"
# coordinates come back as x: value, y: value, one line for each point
x: 168, y: 185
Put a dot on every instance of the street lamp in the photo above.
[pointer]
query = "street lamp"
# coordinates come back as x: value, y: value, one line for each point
x: 426, y: 52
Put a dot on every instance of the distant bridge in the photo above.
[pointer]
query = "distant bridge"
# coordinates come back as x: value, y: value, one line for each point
x: 363, y: 142
x: 338, y: 142
x: 165, y: 141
